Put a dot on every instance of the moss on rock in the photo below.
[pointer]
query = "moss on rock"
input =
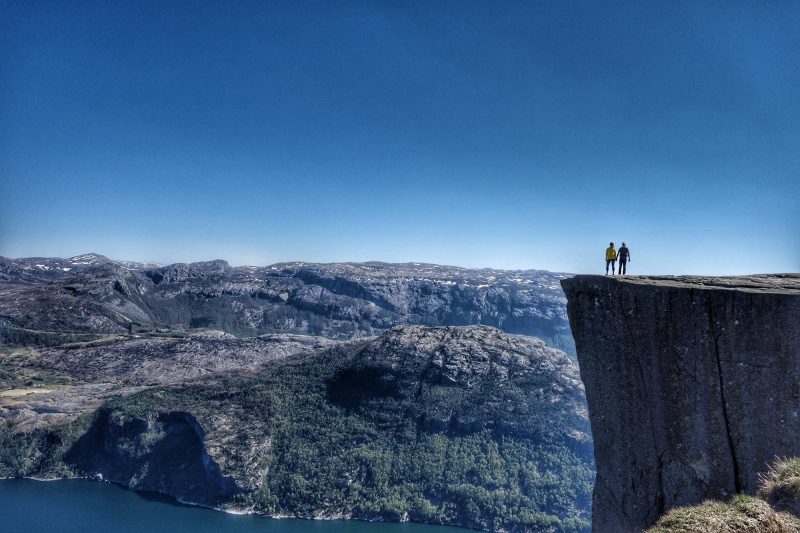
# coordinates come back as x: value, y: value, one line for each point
x: 775, y: 510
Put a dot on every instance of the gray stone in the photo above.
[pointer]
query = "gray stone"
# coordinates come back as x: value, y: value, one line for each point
x: 693, y: 387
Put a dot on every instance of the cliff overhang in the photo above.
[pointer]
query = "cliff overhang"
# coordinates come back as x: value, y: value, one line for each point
x: 692, y: 385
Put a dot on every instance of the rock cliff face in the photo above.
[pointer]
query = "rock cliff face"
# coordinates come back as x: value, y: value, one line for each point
x: 692, y: 385
x: 165, y: 454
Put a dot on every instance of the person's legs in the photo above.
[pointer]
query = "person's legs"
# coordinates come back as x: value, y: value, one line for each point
x: 608, y: 262
x: 622, y: 265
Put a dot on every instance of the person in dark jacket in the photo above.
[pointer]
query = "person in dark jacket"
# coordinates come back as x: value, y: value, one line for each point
x: 623, y: 256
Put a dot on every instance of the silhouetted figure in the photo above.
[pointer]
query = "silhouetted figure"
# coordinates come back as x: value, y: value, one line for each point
x: 611, y: 258
x: 624, y: 256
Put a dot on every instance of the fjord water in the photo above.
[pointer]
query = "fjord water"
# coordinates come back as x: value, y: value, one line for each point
x: 80, y: 505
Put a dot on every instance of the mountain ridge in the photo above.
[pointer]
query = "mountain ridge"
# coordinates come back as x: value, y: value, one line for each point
x: 350, y: 390
x: 94, y: 295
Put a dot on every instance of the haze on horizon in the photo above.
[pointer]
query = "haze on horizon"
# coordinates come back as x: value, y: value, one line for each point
x: 521, y: 135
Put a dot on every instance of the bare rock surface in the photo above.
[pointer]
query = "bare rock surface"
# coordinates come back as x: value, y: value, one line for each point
x: 692, y: 386
x: 29, y: 409
x: 171, y: 360
x: 97, y: 373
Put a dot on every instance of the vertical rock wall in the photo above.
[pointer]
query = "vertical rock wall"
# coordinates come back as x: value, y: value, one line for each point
x: 693, y: 387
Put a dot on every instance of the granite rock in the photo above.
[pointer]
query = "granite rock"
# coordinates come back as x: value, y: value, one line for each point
x: 692, y: 385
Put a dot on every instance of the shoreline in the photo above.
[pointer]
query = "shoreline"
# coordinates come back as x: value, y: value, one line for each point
x: 237, y: 512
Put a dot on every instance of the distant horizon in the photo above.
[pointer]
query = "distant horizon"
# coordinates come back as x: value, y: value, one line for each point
x: 517, y: 135
x: 376, y: 261
x: 294, y: 261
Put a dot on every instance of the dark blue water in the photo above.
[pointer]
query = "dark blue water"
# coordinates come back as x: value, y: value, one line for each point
x: 81, y: 506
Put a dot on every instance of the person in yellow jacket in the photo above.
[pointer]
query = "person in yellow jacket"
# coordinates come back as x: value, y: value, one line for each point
x: 611, y: 258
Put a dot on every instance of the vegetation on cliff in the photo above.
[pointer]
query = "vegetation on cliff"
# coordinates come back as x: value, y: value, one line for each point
x: 775, y: 510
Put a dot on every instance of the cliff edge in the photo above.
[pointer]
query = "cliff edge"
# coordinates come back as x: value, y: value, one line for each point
x: 693, y: 385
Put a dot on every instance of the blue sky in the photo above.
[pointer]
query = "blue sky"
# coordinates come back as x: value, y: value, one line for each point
x: 504, y: 134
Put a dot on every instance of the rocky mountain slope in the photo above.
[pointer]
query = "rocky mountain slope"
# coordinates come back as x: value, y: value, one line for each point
x: 42, y: 387
x: 691, y: 384
x: 458, y: 425
x: 52, y: 301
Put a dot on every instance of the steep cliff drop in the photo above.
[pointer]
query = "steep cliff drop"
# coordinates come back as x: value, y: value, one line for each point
x: 693, y: 386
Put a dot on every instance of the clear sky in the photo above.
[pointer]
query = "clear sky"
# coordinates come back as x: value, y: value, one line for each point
x: 503, y: 134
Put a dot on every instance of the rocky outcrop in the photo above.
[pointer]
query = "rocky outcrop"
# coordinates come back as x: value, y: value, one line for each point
x: 435, y: 365
x: 692, y: 385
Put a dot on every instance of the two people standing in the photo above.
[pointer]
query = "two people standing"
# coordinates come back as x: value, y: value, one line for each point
x: 612, y: 255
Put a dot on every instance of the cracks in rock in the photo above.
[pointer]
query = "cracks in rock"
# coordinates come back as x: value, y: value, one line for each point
x: 627, y: 323
x: 723, y: 400
x: 659, y: 496
x: 686, y: 372
x: 745, y: 363
x: 660, y: 486
x: 679, y: 354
